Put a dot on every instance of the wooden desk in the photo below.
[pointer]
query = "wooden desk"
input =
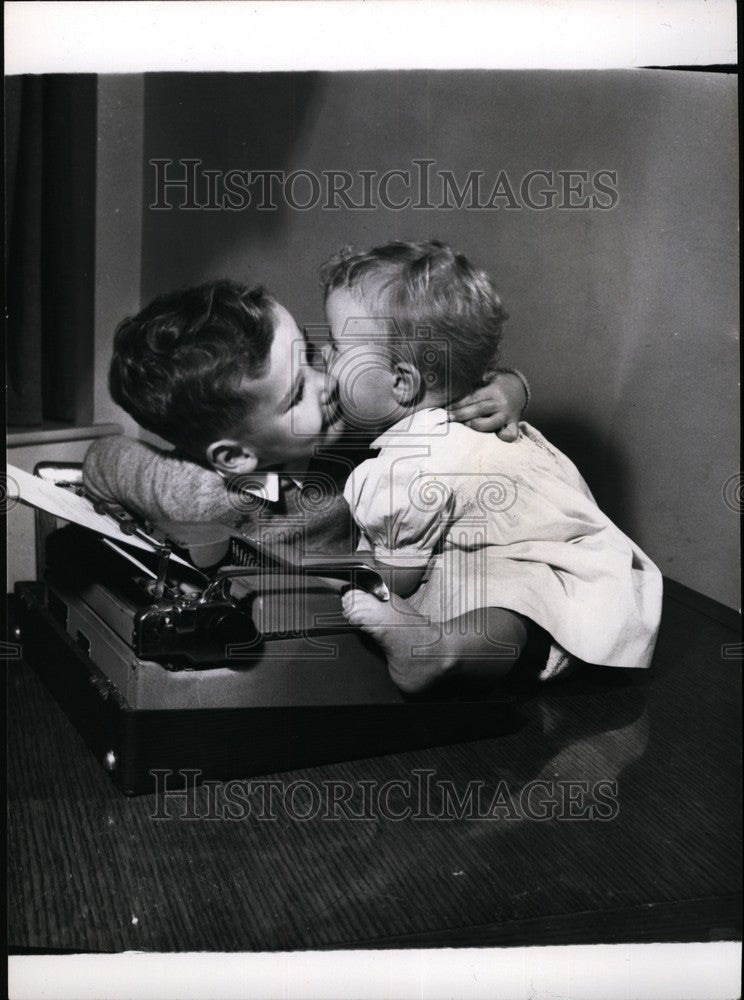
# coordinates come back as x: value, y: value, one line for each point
x: 91, y: 870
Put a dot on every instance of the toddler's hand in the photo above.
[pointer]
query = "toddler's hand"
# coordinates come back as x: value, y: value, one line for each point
x: 495, y: 407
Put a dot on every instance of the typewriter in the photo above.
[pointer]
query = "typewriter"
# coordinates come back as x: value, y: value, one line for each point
x: 203, y: 656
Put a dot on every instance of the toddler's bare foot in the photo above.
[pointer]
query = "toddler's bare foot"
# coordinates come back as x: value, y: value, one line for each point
x: 399, y: 629
x: 475, y: 650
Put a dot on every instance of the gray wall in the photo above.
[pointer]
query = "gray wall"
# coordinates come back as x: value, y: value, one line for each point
x: 624, y: 320
x: 119, y: 201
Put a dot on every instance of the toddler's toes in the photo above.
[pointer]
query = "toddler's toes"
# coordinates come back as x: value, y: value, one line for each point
x: 355, y: 617
x: 351, y: 605
x: 360, y: 608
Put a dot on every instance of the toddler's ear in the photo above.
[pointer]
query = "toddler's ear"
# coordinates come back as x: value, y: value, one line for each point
x: 406, y: 382
x: 231, y: 458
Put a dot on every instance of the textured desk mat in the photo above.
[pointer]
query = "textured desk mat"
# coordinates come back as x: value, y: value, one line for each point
x: 610, y: 813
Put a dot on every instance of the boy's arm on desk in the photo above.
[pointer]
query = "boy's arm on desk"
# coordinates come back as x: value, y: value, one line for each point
x: 156, y: 485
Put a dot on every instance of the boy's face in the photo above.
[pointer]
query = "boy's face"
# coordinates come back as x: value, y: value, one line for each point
x: 290, y: 410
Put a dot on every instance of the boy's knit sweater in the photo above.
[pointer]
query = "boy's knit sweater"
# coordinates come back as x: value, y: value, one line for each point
x: 310, y: 516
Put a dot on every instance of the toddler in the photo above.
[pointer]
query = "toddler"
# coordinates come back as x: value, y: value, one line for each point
x: 499, y: 538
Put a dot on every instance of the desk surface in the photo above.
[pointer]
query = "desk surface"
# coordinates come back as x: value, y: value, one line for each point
x: 91, y: 870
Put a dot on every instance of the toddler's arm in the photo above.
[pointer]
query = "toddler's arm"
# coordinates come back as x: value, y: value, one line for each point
x: 397, y: 536
x: 496, y: 406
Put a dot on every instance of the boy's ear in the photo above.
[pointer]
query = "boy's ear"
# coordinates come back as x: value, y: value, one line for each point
x: 406, y: 382
x: 232, y: 458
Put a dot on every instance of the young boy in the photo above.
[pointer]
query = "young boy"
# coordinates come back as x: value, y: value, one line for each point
x: 210, y: 369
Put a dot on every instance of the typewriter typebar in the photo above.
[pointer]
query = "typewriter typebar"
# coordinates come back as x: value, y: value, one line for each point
x: 201, y: 624
x: 239, y: 635
x: 187, y: 627
x: 186, y: 618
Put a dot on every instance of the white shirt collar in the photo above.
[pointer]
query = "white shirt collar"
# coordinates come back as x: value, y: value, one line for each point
x: 264, y: 485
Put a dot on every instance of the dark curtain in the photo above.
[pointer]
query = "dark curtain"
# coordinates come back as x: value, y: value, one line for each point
x: 50, y: 252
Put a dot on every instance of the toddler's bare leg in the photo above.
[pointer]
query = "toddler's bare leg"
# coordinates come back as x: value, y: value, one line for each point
x: 475, y: 650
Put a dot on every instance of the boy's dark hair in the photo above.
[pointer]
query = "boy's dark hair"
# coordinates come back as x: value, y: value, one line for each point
x: 180, y: 365
x: 427, y: 288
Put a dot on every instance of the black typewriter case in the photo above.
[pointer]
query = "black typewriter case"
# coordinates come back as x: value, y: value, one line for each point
x: 303, y: 696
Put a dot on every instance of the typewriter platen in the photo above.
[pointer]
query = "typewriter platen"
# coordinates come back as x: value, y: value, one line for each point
x: 212, y: 655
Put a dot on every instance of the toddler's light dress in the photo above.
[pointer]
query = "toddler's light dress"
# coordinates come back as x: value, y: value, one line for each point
x: 507, y: 525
